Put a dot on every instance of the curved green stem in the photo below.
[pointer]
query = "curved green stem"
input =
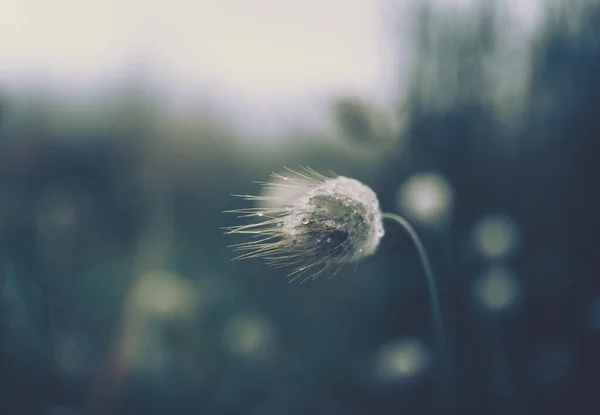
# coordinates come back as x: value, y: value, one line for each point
x: 433, y: 292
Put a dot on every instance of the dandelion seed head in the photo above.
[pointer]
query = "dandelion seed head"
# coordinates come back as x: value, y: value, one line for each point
x: 340, y: 212
x: 332, y: 221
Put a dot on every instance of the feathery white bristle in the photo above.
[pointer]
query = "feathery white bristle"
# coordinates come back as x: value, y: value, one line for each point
x: 315, y: 222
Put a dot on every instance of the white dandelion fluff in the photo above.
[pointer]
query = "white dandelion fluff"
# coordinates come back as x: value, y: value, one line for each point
x: 327, y: 222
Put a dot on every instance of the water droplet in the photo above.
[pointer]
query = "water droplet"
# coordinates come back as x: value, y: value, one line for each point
x: 305, y: 220
x: 329, y: 240
x: 260, y: 214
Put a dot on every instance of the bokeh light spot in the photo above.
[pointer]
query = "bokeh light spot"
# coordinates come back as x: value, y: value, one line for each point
x: 247, y: 336
x: 162, y: 292
x: 496, y: 236
x: 426, y: 197
x: 498, y: 289
x: 403, y: 359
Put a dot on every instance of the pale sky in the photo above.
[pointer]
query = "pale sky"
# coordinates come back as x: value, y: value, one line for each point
x: 252, y: 50
x: 280, y: 57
